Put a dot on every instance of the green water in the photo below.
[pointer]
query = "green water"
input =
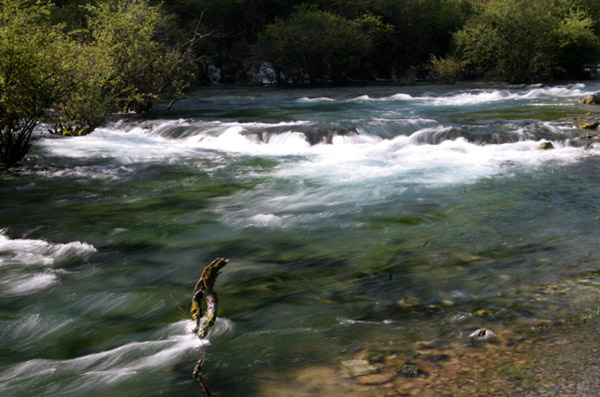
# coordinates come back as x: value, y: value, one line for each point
x: 421, y: 214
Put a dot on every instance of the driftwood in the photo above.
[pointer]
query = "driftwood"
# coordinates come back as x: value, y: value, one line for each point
x: 204, y: 289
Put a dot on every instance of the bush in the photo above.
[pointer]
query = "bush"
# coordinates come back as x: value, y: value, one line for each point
x: 316, y: 46
x: 34, y: 73
x: 448, y: 70
x: 524, y: 40
x: 74, y: 81
x: 143, y: 68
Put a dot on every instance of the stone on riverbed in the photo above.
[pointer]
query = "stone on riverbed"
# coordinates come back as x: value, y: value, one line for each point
x: 483, y: 335
x: 359, y: 367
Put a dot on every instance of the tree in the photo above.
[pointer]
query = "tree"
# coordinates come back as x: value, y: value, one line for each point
x: 120, y: 59
x: 124, y: 60
x: 90, y: 100
x: 316, y: 46
x: 33, y: 73
x: 524, y: 40
x: 143, y: 68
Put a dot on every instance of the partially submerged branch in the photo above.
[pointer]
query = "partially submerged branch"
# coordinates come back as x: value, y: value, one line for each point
x: 204, y: 289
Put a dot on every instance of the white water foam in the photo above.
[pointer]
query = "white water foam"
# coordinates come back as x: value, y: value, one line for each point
x: 405, y: 157
x: 25, y: 284
x: 364, y: 170
x: 151, y: 142
x: 98, y: 371
x: 482, y: 96
x: 25, y: 263
x: 32, y: 327
x: 318, y: 99
x: 40, y: 252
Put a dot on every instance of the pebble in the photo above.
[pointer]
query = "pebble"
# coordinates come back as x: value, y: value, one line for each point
x: 359, y: 367
x: 483, y: 335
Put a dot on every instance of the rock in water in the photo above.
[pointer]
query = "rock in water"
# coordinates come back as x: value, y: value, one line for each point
x: 483, y: 335
x: 359, y: 367
x: 592, y: 99
x: 546, y: 146
x: 590, y: 126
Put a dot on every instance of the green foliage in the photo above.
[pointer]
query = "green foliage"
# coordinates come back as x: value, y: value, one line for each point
x: 422, y: 28
x: 33, y: 73
x: 523, y: 40
x: 142, y: 67
x: 75, y: 63
x: 316, y: 46
x: 118, y: 59
x: 447, y: 70
x: 89, y: 102
x: 72, y: 14
x: 579, y: 46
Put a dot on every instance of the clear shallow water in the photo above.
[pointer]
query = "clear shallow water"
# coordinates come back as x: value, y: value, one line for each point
x: 353, y: 217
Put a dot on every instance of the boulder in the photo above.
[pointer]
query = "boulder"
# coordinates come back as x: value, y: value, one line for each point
x: 590, y: 126
x: 546, y: 145
x: 592, y: 99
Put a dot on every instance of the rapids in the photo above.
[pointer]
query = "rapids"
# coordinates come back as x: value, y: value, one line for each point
x: 356, y: 219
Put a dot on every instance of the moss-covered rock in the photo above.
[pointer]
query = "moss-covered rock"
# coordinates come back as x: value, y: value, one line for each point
x: 592, y: 99
x: 590, y: 126
x: 587, y: 135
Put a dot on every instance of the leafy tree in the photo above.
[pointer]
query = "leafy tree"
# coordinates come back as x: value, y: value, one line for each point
x: 420, y: 28
x: 524, y: 40
x: 74, y: 81
x: 316, y: 46
x: 89, y: 101
x: 132, y: 35
x: 33, y: 73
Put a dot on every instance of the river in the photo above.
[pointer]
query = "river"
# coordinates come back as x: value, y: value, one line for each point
x: 370, y: 230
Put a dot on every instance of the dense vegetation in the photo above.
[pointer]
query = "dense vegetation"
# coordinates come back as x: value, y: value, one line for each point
x: 318, y: 41
x: 73, y: 63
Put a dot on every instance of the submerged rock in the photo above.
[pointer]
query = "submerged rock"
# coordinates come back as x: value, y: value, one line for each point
x: 359, y: 367
x: 483, y: 335
x: 314, y: 135
x: 411, y: 370
x: 318, y: 135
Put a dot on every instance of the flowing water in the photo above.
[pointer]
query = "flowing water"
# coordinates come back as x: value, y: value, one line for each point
x: 357, y: 220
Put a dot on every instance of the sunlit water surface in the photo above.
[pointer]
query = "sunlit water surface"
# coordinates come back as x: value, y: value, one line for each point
x: 354, y: 218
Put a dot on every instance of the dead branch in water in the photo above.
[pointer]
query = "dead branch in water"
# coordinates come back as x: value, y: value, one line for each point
x: 204, y: 289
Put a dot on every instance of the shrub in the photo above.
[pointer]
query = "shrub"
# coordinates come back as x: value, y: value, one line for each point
x: 316, y: 46
x: 523, y: 40
x: 448, y: 70
x: 34, y: 73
